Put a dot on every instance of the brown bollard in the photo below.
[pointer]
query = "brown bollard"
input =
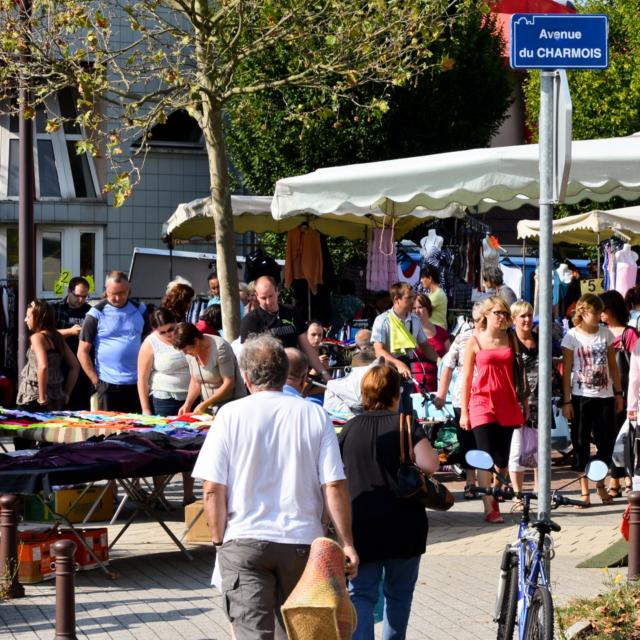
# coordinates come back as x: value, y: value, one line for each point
x: 634, y: 536
x: 65, y: 589
x: 9, y: 584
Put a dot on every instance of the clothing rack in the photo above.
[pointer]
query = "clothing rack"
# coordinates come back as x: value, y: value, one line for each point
x: 476, y: 225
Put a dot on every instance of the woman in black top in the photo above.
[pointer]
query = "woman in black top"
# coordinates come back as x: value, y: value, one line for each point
x: 390, y: 533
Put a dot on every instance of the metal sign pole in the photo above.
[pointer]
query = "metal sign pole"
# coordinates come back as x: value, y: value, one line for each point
x: 546, y: 149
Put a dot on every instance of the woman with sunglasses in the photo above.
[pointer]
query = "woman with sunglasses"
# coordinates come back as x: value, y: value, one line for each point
x: 215, y: 375
x: 163, y: 378
x: 489, y: 403
x: 163, y: 372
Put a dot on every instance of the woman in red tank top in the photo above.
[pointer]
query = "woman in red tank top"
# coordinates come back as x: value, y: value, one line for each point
x: 489, y: 406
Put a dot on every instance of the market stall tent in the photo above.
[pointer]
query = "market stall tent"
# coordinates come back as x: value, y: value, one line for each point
x: 507, y: 177
x: 590, y: 227
x: 194, y: 219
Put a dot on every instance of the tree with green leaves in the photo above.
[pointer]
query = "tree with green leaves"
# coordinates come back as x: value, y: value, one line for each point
x: 458, y: 102
x: 133, y: 63
x: 606, y: 103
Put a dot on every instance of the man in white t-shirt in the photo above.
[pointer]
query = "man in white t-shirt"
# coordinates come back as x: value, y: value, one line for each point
x: 270, y: 465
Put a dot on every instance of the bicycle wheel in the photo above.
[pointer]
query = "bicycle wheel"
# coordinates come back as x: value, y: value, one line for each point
x: 539, y: 624
x: 509, y: 605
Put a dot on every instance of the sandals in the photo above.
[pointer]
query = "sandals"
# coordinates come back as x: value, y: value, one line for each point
x: 614, y: 492
x: 606, y: 497
x: 469, y: 493
x: 517, y: 506
x: 587, y: 501
x: 493, y: 517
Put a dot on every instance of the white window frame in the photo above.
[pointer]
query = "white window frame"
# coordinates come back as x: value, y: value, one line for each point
x: 70, y: 253
x: 61, y: 157
x: 3, y: 249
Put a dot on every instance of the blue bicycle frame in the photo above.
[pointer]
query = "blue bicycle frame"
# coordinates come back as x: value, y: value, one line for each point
x: 532, y: 572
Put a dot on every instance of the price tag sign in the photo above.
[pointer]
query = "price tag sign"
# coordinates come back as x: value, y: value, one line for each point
x: 591, y: 286
x: 61, y: 284
x: 92, y: 284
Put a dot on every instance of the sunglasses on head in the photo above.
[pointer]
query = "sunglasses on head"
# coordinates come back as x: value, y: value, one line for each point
x: 169, y: 330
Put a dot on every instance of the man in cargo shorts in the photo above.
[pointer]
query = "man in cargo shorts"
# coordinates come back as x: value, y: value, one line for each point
x: 270, y: 465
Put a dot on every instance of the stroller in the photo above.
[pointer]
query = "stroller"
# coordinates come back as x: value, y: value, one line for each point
x: 440, y: 428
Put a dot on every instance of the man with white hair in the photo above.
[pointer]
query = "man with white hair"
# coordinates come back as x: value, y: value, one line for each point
x: 113, y: 329
x: 270, y: 466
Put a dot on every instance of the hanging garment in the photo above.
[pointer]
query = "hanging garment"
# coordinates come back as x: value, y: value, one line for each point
x: 626, y: 269
x: 381, y: 265
x: 304, y: 257
x: 408, y: 270
x: 512, y: 278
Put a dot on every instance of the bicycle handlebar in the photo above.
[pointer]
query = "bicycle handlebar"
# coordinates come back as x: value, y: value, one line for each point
x: 497, y: 492
x: 508, y: 493
x: 559, y: 500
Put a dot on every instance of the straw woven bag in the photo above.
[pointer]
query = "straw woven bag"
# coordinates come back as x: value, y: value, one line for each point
x: 319, y: 607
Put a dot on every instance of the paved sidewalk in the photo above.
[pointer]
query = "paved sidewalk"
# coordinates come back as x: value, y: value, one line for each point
x: 158, y: 593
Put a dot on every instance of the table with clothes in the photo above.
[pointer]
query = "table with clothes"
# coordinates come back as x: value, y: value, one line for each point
x: 58, y: 427
x: 86, y: 447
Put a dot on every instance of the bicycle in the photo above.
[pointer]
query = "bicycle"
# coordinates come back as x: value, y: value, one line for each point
x: 524, y: 592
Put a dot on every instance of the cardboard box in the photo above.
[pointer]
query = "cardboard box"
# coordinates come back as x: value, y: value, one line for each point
x: 62, y: 500
x: 200, y: 531
x: 96, y: 539
x: 34, y: 555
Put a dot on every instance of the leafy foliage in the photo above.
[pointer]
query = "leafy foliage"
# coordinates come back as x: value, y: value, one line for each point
x: 292, y: 130
x: 605, y: 103
x: 133, y: 62
x: 614, y: 614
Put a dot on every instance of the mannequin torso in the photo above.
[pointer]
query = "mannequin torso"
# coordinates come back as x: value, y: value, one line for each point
x: 564, y: 273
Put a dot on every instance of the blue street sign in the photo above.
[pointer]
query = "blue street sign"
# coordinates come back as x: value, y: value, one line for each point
x: 554, y: 41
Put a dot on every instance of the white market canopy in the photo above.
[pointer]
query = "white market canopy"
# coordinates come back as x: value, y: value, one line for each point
x: 507, y: 177
x: 589, y: 227
x: 253, y: 213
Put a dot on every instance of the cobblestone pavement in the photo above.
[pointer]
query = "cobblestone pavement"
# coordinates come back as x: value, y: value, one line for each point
x: 158, y: 593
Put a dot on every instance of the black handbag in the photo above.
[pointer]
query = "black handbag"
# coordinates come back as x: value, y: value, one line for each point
x: 413, y: 483
x: 520, y: 381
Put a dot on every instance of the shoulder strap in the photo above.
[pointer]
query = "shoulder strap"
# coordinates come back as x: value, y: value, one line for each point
x: 477, y: 342
x: 402, y: 458
x: 48, y: 340
x: 409, y: 424
x: 405, y: 421
x: 101, y: 305
x: 513, y: 343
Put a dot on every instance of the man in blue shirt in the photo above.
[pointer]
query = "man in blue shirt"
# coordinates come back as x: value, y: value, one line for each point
x: 113, y: 328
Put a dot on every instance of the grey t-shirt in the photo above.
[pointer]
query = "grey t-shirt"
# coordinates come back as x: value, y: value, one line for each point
x: 221, y: 364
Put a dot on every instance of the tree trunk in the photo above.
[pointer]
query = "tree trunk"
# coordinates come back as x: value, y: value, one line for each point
x: 222, y: 218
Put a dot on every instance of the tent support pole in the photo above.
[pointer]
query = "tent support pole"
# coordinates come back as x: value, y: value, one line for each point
x: 523, y: 285
x: 170, y: 258
x: 598, y: 254
x: 545, y: 288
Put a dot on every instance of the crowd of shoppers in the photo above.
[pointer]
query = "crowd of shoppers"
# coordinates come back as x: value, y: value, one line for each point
x: 275, y: 475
